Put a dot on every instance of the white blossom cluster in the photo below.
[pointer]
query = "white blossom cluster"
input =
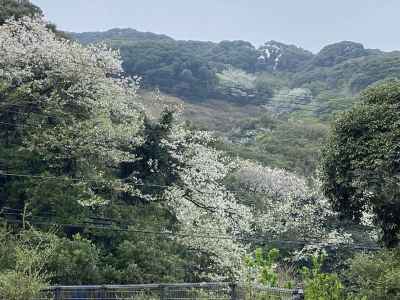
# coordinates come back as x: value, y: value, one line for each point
x: 285, y: 205
x: 73, y: 102
x: 207, y: 211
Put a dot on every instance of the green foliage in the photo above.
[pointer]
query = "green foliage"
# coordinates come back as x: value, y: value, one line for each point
x: 376, y: 275
x: 263, y: 271
x: 77, y: 123
x: 17, y: 9
x: 15, y: 285
x: 239, y: 86
x: 144, y: 258
x: 292, y: 144
x: 352, y: 75
x: 236, y: 85
x: 20, y: 8
x: 118, y: 35
x: 336, y: 53
x: 75, y: 261
x: 342, y: 69
x: 24, y: 275
x: 319, y: 285
x: 274, y: 81
x: 172, y: 66
x: 239, y: 54
x: 360, y: 161
x: 275, y: 56
x: 59, y: 128
x: 264, y: 264
x: 263, y: 88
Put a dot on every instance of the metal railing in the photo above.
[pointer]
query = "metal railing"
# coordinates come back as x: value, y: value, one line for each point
x: 179, y: 291
x: 268, y: 293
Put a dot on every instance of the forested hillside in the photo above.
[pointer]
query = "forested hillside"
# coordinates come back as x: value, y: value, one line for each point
x: 295, y: 92
x: 150, y: 160
x: 200, y: 69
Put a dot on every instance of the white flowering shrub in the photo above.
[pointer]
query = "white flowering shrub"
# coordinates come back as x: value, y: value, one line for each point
x: 210, y: 216
x: 236, y: 77
x: 284, y: 205
x: 236, y: 84
x: 66, y: 105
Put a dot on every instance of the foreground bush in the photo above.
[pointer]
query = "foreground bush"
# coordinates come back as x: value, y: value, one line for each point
x: 319, y: 285
x: 24, y: 275
x: 376, y: 276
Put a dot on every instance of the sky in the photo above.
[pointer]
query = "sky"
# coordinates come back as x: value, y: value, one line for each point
x: 310, y: 24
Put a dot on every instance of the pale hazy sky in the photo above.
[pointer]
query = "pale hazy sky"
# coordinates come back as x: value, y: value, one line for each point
x: 310, y: 24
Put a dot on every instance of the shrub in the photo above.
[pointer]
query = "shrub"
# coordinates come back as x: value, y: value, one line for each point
x: 321, y: 286
x: 263, y: 268
x: 25, y: 276
x: 376, y: 276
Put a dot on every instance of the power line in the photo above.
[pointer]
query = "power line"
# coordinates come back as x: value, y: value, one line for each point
x: 255, y: 239
x: 22, y: 125
x: 2, y: 173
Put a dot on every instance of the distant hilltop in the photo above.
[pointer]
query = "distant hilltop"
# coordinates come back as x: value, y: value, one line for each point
x: 275, y: 55
x: 192, y: 68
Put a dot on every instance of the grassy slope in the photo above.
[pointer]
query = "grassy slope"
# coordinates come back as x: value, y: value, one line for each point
x: 251, y: 131
x: 216, y: 115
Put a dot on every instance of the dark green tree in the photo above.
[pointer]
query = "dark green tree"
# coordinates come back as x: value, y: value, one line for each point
x: 17, y: 9
x: 361, y: 160
x: 175, y: 67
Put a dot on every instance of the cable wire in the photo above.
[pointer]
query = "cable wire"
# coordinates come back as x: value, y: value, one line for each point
x: 232, y: 191
x: 255, y: 239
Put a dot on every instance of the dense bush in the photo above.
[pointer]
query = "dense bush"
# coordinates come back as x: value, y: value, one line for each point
x: 350, y: 76
x: 236, y: 85
x: 118, y: 36
x: 238, y: 54
x: 25, y: 275
x: 319, y: 285
x: 75, y: 261
x: 376, y: 275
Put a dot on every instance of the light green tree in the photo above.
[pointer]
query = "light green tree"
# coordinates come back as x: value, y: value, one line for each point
x: 25, y: 274
x: 319, y: 285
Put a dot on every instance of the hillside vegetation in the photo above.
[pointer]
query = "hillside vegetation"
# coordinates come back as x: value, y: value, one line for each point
x: 79, y: 148
x: 199, y: 70
x: 208, y: 173
x: 296, y: 91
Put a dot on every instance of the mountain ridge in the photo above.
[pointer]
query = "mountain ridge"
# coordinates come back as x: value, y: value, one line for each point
x: 126, y: 32
x: 241, y: 72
